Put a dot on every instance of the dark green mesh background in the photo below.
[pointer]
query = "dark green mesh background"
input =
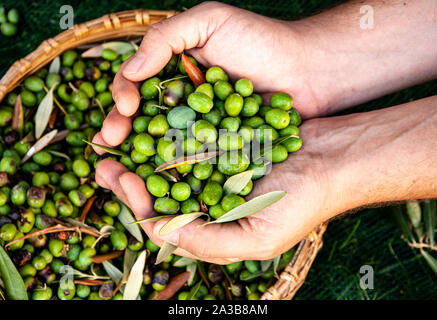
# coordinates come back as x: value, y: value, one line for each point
x: 368, y: 237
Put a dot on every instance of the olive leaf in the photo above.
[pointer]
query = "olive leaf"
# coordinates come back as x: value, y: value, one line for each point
x: 276, y: 263
x: 18, y: 118
x: 135, y: 280
x: 43, y: 142
x: 192, y: 159
x: 429, y: 220
x: 60, y: 154
x: 126, y: 219
x: 250, y: 207
x: 184, y: 261
x: 14, y: 284
x: 191, y: 268
x: 265, y: 264
x: 43, y: 113
x: 152, y: 219
x: 237, y: 182
x: 168, y: 176
x: 118, y: 46
x: 55, y: 65
x: 128, y: 261
x: 194, y: 290
x: 166, y: 250
x: 2, y: 296
x: 401, y: 221
x: 414, y: 212
x: 251, y: 276
x: 113, y: 272
x: 432, y: 262
x: 179, y: 222
x: 107, y: 149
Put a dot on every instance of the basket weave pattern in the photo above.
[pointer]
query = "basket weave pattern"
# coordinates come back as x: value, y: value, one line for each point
x: 128, y: 24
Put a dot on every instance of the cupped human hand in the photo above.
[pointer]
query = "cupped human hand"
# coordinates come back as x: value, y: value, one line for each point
x: 244, y: 44
x: 307, y: 176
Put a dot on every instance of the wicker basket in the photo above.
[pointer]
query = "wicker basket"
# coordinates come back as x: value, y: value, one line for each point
x: 134, y: 23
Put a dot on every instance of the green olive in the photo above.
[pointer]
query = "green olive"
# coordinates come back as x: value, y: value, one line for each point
x: 292, y: 144
x: 222, y: 89
x: 204, y: 131
x: 230, y: 141
x: 233, y: 162
x: 118, y: 240
x: 203, y: 170
x: 234, y: 104
x: 181, y: 117
x: 278, y: 118
x: 157, y: 185
x: 158, y: 126
x: 149, y: 88
x: 166, y: 206
x: 144, y: 144
x: 214, y: 74
x: 244, y: 87
x: 281, y: 100
x: 200, y: 102
x: 190, y: 205
x: 180, y: 191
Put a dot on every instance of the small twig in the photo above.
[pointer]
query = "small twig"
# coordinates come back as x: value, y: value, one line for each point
x: 87, y: 208
x: 421, y: 245
x: 89, y: 282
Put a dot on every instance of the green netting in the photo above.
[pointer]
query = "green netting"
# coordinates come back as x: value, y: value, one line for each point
x: 399, y: 272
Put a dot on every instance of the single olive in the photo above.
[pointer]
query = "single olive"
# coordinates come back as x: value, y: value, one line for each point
x: 8, y: 29
x: 214, y: 74
x: 144, y: 171
x: 247, y: 189
x: 157, y: 185
x: 173, y: 92
x: 160, y: 280
x: 64, y: 207
x: 68, y: 181
x: 18, y: 194
x: 278, y: 118
x: 149, y: 88
x: 104, y: 98
x: 79, y: 69
x: 190, y: 205
x: 42, y: 293
x: 216, y: 211
x: 231, y: 201
x: 194, y: 183
x: 295, y: 118
x: 230, y: 141
x: 222, y: 89
x: 158, y: 126
x: 200, y: 102
x: 144, y: 143
x: 112, y: 208
x: 85, y: 257
x: 279, y: 153
x: 77, y: 198
x: 204, y: 131
x: 180, y: 191
x: 181, y: 117
x: 289, y: 130
x: 233, y: 162
x: 150, y: 108
x: 244, y: 87
x: 13, y: 16
x: 80, y: 100
x: 266, y: 133
x: 109, y: 54
x: 234, y: 104
x: 230, y: 124
x: 252, y: 265
x: 281, y: 100
x: 68, y: 58
x: 8, y: 165
x: 141, y: 124
x: 212, y: 193
x: 36, y: 197
x: 166, y: 149
x: 151, y: 246
x: 234, y: 267
x: 118, y: 240
x: 26, y: 221
x: 191, y: 146
x: 166, y: 206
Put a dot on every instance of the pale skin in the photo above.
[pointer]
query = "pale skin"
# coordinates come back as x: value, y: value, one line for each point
x: 328, y: 63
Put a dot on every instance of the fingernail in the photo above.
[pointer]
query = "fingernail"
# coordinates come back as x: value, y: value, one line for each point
x: 172, y: 238
x: 233, y: 259
x: 135, y: 64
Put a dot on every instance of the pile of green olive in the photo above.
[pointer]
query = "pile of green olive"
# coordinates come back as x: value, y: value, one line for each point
x: 8, y: 21
x: 56, y: 185
x: 180, y: 120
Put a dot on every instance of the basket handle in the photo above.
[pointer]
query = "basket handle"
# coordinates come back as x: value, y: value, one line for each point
x: 111, y: 26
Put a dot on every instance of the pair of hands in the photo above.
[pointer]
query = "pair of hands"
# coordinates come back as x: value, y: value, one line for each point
x: 276, y: 56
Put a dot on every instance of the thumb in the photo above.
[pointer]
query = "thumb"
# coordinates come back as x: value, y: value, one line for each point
x: 184, y: 31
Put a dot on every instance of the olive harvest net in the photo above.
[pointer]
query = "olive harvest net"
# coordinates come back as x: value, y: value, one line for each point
x: 365, y: 238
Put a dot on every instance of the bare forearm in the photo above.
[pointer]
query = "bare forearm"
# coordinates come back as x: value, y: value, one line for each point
x: 375, y: 157
x: 347, y: 65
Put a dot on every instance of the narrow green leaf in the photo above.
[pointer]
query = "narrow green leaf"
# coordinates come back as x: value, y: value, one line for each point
x: 237, y: 182
x: 107, y: 149
x: 414, y: 212
x: 432, y: 262
x: 126, y: 219
x: 43, y: 113
x: 265, y: 264
x: 118, y: 46
x: 14, y: 284
x: 192, y: 159
x: 252, y: 276
x: 429, y: 221
x: 112, y: 271
x: 135, y: 280
x: 253, y: 206
x: 166, y: 250
x: 402, y: 222
x: 60, y: 154
x: 194, y: 290
x: 55, y: 65
x: 2, y: 296
x: 178, y: 222
x: 43, y: 142
x: 184, y: 261
x: 191, y: 268
x: 276, y: 263
x: 152, y: 219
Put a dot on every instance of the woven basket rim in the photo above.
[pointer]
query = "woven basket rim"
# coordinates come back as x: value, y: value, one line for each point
x: 135, y: 23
